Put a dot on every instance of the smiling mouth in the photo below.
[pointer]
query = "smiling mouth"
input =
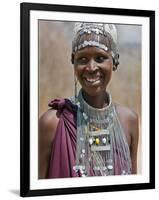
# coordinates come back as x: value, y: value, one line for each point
x: 93, y: 80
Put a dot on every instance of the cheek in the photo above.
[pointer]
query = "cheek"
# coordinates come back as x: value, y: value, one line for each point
x: 77, y: 71
x: 107, y: 68
x: 78, y: 74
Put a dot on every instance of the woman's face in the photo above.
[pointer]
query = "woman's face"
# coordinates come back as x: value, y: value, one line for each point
x: 93, y: 68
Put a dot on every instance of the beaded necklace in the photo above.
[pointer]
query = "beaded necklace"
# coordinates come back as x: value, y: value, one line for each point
x: 102, y: 147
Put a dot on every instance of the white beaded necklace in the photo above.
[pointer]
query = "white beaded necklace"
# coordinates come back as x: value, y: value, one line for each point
x: 102, y: 147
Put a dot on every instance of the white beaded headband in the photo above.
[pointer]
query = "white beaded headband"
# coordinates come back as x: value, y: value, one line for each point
x: 99, y: 29
x: 107, y: 30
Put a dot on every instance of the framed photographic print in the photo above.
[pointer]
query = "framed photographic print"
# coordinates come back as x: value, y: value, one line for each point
x: 87, y: 99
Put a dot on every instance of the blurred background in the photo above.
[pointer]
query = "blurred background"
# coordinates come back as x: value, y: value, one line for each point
x: 56, y: 71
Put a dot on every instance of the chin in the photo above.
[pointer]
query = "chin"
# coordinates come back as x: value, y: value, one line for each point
x: 94, y: 91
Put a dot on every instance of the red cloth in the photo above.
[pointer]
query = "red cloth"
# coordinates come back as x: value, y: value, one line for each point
x: 63, y: 151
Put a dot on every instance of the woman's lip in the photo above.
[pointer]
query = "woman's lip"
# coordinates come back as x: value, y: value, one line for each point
x: 92, y: 78
x: 92, y: 81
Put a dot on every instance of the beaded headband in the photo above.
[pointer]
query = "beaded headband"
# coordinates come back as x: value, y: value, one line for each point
x: 106, y: 30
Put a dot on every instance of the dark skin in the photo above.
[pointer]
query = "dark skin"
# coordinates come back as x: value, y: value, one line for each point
x: 93, y: 68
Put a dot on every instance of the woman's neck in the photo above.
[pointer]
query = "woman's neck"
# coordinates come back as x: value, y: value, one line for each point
x: 98, y: 101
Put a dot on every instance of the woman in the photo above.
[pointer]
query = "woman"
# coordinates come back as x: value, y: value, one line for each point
x: 89, y: 135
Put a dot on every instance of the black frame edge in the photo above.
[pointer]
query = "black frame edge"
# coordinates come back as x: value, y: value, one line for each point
x: 152, y: 99
x: 92, y: 9
x: 93, y: 189
x: 25, y: 99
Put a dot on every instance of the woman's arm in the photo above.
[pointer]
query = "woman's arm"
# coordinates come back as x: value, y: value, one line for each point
x: 134, y: 141
x: 129, y: 122
x: 47, y: 128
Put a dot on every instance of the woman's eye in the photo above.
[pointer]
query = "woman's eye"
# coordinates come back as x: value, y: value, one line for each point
x: 82, y: 60
x: 100, y: 59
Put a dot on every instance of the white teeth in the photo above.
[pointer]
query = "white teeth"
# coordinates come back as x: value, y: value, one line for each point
x: 92, y: 80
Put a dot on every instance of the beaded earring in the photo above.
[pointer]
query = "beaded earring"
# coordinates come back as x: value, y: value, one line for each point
x: 115, y: 62
x: 76, y: 88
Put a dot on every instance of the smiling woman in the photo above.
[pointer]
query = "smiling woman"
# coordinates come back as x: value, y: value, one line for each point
x: 89, y: 134
x: 93, y: 69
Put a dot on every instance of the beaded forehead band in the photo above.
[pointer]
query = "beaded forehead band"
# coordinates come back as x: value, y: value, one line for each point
x: 105, y: 30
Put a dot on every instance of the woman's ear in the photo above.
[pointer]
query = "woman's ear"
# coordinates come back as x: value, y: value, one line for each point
x: 115, y: 62
x: 72, y: 58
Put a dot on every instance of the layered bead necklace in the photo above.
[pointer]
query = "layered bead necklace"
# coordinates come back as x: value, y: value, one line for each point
x: 102, y: 148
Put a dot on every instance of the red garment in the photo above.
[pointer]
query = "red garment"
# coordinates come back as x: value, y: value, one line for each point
x: 63, y: 151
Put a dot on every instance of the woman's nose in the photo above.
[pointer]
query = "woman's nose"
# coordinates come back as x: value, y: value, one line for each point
x: 92, y: 65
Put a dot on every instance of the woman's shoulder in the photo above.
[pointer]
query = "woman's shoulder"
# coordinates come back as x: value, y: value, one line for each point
x: 129, y: 121
x: 49, y: 119
x: 127, y: 113
x: 47, y: 128
x: 47, y: 125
